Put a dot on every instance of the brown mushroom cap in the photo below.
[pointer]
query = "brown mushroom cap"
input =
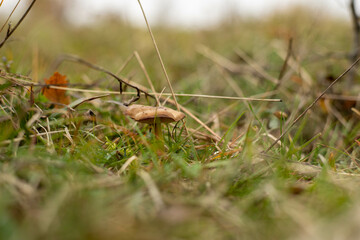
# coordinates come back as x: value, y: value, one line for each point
x: 148, y: 114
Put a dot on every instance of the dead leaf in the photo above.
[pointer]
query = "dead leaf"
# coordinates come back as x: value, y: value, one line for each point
x: 56, y: 95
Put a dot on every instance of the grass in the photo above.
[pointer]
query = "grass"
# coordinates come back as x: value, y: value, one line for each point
x: 65, y: 176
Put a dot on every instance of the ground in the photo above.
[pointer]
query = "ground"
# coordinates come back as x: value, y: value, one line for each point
x: 87, y: 171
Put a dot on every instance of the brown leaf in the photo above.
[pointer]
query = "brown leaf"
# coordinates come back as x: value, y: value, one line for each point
x: 56, y: 95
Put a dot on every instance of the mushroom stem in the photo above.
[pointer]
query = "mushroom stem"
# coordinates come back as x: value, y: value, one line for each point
x: 158, y: 144
x: 158, y: 132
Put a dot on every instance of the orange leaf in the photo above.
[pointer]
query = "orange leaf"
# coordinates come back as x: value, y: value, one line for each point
x: 56, y: 95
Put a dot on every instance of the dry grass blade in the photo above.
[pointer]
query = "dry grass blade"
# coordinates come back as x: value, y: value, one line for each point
x: 160, y: 58
x: 153, y: 190
x: 357, y: 112
x: 142, y: 89
x: 126, y: 164
x: 185, y: 110
x: 355, y: 52
x: 255, y: 66
x: 18, y: 139
x: 176, y: 94
x: 341, y: 97
x: 312, y: 104
x: 89, y: 99
x: 7, y: 20
x: 11, y: 31
x: 22, y: 186
x: 295, y: 65
x: 101, y: 69
x: 142, y: 66
x: 218, y: 59
x: 285, y: 64
x: 124, y: 64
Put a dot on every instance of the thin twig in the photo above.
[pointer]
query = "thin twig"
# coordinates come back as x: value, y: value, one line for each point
x: 88, y: 100
x: 312, y: 104
x: 101, y: 69
x: 160, y: 59
x: 7, y: 20
x: 295, y: 65
x: 11, y: 31
x: 151, y: 94
x: 285, y: 64
x: 122, y: 68
x: 356, y: 41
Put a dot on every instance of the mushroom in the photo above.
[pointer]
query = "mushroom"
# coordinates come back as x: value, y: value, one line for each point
x: 154, y: 116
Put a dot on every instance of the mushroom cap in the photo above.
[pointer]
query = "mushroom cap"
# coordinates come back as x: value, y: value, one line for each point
x: 149, y: 114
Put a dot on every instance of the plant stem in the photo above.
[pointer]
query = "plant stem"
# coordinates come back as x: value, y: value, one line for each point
x: 158, y: 132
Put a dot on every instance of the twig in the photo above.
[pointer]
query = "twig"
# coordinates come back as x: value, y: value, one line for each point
x: 11, y: 31
x: 7, y: 20
x: 285, y: 64
x: 160, y: 59
x: 169, y: 94
x: 356, y: 41
x: 295, y: 65
x: 88, y: 100
x: 151, y: 94
x: 122, y: 68
x: 101, y: 69
x: 312, y: 104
